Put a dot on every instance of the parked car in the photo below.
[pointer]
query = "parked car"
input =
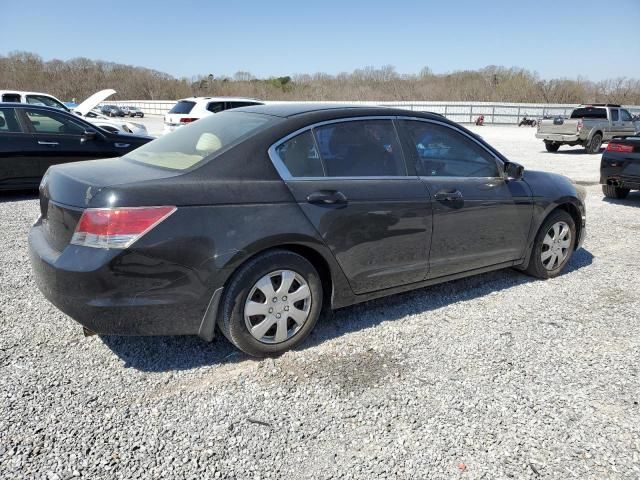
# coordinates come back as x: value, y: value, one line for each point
x: 191, y: 109
x: 112, y: 111
x: 33, y: 138
x: 589, y: 126
x: 258, y: 218
x: 131, y: 111
x: 88, y: 109
x: 620, y: 167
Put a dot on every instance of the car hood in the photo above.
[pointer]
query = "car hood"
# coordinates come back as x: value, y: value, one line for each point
x: 91, y: 102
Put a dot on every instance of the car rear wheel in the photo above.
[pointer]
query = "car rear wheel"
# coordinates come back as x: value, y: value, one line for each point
x: 553, y: 246
x: 551, y: 146
x: 594, y: 144
x: 272, y: 303
x: 615, y: 192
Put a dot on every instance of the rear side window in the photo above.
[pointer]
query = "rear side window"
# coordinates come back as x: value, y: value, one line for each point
x: 441, y: 151
x: 204, y: 139
x: 11, y: 97
x: 301, y: 156
x: 614, y: 115
x: 241, y: 104
x: 215, y: 107
x: 589, y: 112
x: 362, y: 148
x: 8, y: 121
x: 182, y: 107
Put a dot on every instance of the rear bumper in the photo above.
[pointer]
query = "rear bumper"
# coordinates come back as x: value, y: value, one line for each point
x: 616, y: 171
x: 558, y: 137
x: 113, y: 292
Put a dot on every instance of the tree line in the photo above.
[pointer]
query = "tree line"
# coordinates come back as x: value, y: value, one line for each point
x: 80, y: 77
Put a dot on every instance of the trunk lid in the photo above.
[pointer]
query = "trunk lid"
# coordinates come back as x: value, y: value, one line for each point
x: 66, y: 190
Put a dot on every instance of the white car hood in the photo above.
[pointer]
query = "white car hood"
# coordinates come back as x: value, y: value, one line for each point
x: 91, y: 102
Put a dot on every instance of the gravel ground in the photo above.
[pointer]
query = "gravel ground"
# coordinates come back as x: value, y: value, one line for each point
x: 496, y: 376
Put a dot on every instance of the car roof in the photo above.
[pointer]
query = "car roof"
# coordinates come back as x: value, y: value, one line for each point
x: 31, y: 106
x: 286, y: 110
x: 219, y: 99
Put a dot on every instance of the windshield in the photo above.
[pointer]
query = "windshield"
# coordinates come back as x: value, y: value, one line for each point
x: 208, y: 137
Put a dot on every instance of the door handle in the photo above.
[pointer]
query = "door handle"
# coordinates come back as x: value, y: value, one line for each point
x: 48, y: 144
x: 327, y: 197
x: 448, y: 195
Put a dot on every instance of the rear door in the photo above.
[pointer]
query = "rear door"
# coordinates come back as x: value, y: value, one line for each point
x: 350, y: 179
x: 57, y: 137
x: 18, y: 168
x: 479, y: 218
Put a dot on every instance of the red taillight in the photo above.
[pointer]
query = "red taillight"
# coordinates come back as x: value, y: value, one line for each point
x: 187, y: 120
x: 618, y: 147
x: 117, y: 227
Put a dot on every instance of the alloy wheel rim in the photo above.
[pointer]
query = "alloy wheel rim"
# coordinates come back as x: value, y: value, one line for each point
x: 277, y: 307
x: 556, y: 245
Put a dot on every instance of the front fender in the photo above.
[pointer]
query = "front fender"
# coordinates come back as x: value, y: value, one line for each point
x: 551, y: 191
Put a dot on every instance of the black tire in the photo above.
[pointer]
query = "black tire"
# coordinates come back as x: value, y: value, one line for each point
x: 615, y: 192
x: 551, y: 146
x: 594, y: 144
x: 536, y: 268
x: 232, y: 321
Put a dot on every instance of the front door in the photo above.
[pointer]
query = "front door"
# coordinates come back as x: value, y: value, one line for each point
x: 627, y: 125
x: 350, y: 179
x: 479, y: 218
x: 57, y: 137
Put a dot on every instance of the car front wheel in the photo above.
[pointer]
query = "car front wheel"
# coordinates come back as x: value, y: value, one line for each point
x: 553, y: 246
x: 271, y: 304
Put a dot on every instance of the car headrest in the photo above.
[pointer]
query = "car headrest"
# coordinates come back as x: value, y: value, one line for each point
x: 3, y: 122
x: 208, y: 143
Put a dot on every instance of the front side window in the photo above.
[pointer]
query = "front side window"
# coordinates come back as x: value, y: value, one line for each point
x: 300, y: 156
x: 361, y: 148
x: 204, y: 139
x: 45, y: 100
x: 625, y: 115
x: 50, y: 122
x: 8, y: 121
x: 441, y: 151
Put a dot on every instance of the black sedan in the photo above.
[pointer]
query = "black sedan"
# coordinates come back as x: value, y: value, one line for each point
x: 33, y: 138
x: 256, y: 219
x: 620, y: 167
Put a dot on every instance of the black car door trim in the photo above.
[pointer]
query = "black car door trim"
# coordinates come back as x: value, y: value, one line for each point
x: 284, y: 173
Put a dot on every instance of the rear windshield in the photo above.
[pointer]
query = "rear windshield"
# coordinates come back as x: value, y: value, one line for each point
x: 589, y: 112
x: 204, y: 139
x: 182, y: 107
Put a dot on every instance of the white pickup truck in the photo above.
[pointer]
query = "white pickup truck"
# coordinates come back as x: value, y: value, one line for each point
x: 588, y: 125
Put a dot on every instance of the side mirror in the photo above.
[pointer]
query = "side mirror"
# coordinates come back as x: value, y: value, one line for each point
x: 88, y: 135
x: 513, y: 171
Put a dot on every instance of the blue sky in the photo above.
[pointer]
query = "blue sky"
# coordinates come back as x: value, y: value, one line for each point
x: 186, y: 37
